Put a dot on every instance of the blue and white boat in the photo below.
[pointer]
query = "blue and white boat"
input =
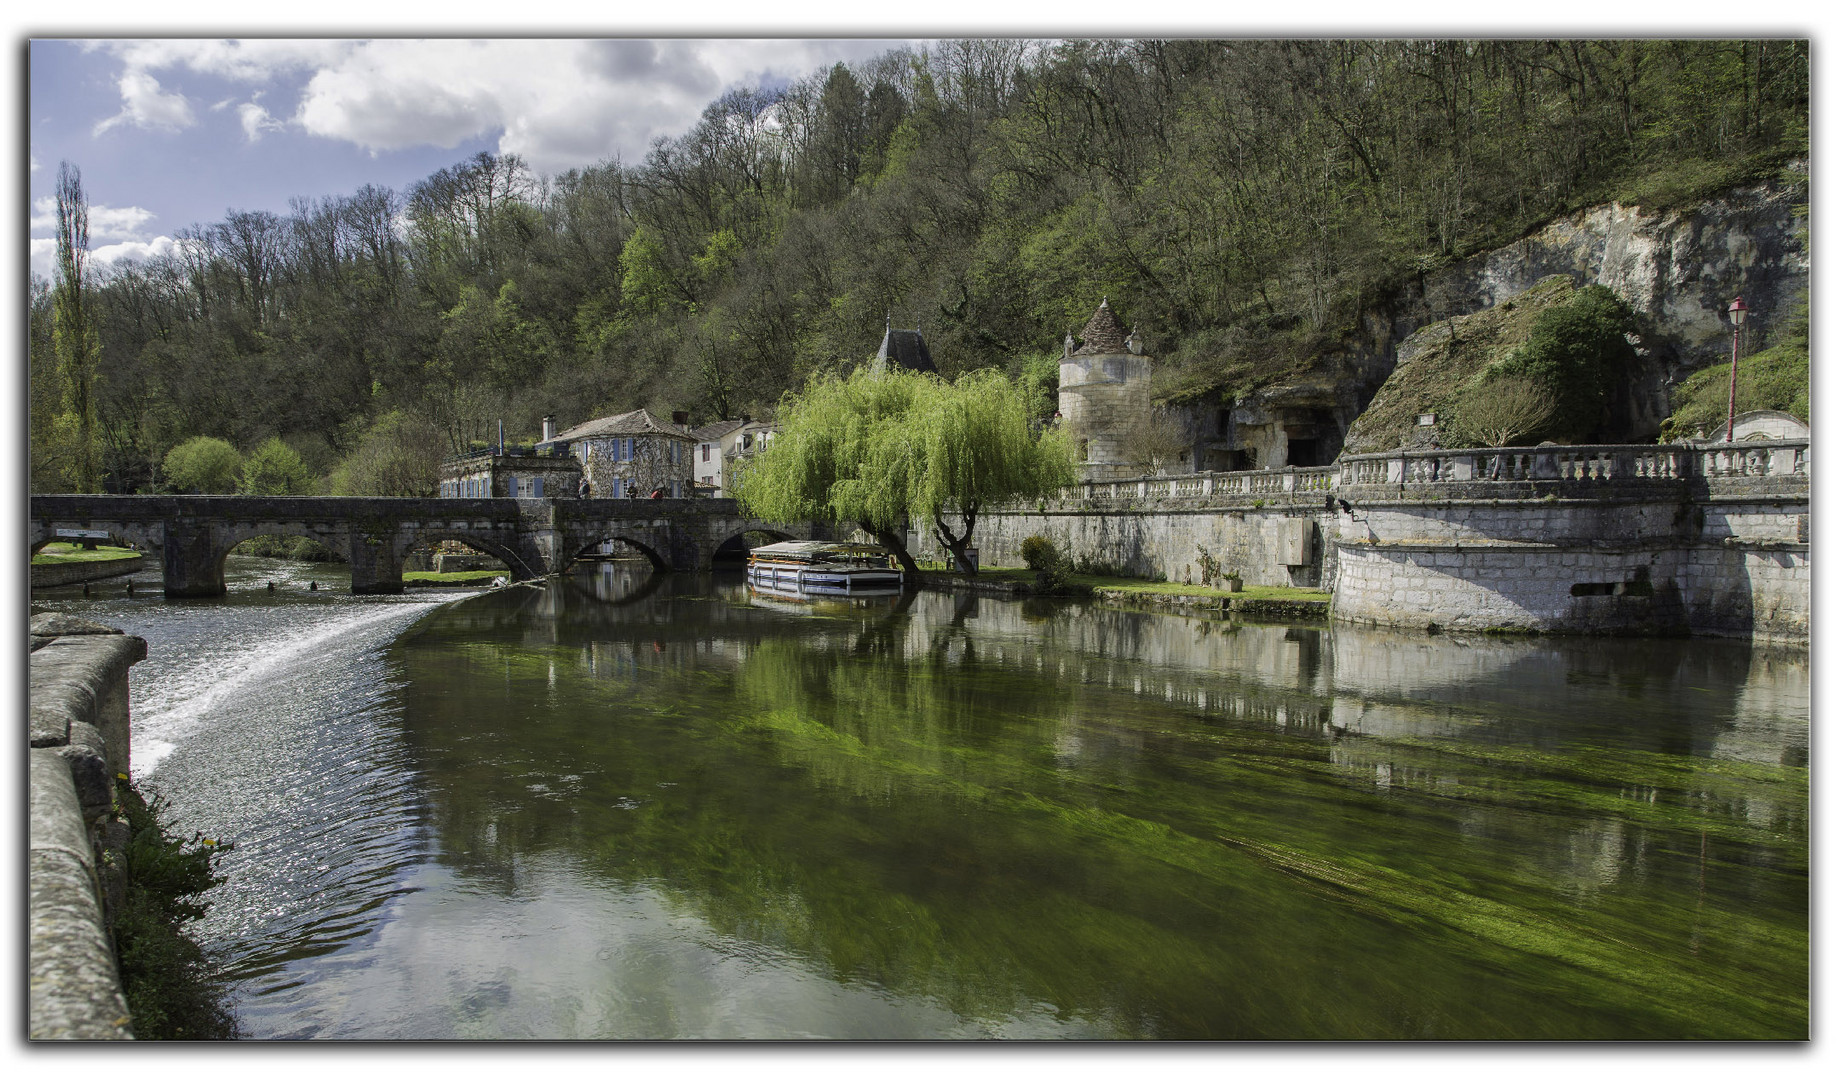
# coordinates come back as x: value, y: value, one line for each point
x: 823, y: 565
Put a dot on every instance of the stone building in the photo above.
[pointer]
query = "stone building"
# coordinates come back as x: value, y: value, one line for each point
x: 723, y: 444
x: 512, y: 472
x: 630, y: 455
x: 1104, y: 395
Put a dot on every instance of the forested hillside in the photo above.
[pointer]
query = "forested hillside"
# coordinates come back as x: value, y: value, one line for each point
x: 1241, y: 203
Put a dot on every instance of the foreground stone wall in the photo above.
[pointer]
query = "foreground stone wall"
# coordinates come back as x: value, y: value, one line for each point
x: 78, y: 742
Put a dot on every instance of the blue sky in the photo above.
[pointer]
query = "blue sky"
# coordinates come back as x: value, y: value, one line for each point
x: 170, y: 133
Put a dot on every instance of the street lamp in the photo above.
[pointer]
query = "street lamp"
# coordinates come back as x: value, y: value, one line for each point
x: 1737, y: 310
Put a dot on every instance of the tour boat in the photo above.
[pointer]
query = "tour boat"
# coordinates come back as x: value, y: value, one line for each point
x: 823, y: 565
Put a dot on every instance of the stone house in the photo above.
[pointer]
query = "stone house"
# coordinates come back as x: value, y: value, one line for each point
x: 721, y: 446
x: 630, y: 455
x: 512, y: 472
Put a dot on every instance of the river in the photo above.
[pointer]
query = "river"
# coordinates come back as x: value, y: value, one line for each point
x: 625, y: 806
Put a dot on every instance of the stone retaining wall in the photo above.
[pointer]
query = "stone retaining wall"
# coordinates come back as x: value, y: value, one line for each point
x: 1723, y: 555
x: 52, y: 575
x: 78, y: 743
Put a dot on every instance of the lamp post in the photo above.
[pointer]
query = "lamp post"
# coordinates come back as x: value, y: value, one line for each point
x: 1737, y: 310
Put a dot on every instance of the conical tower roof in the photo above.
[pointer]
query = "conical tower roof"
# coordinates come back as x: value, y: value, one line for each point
x: 1103, y: 332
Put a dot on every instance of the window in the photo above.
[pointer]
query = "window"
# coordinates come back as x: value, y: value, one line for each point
x: 705, y: 451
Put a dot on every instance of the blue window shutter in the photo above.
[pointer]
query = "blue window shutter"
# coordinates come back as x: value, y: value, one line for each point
x: 537, y: 488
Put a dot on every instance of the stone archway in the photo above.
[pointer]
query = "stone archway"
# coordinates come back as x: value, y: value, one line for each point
x: 650, y: 551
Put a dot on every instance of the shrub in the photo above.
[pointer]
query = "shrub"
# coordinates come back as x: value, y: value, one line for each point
x: 202, y: 465
x: 274, y: 469
x: 1576, y: 352
x: 1039, y: 553
x: 172, y: 991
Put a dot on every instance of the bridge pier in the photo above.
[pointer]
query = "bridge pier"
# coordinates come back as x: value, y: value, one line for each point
x: 376, y: 564
x: 192, y: 558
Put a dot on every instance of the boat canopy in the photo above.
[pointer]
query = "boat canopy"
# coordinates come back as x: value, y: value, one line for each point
x: 815, y: 551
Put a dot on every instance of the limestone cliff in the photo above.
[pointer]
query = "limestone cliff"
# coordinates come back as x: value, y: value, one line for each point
x: 1677, y: 270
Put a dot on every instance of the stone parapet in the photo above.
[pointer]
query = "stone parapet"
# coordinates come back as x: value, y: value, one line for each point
x: 78, y: 742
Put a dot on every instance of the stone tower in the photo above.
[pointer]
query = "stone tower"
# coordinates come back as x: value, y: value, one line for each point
x: 1105, y: 389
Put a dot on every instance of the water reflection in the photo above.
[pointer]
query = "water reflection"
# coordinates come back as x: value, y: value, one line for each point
x: 633, y: 806
x: 1138, y: 825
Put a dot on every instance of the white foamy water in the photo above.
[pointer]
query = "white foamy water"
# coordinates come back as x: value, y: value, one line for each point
x: 213, y: 677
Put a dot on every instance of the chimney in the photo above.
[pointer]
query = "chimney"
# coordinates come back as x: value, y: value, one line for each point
x: 549, y: 428
x: 681, y: 419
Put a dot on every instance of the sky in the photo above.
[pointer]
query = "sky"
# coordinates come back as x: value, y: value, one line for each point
x: 170, y: 133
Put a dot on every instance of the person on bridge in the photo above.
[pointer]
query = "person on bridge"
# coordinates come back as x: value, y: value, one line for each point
x: 658, y: 492
x: 581, y: 489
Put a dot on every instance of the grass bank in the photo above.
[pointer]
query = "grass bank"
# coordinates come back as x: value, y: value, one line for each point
x: 62, y: 554
x: 453, y: 577
x: 1256, y: 601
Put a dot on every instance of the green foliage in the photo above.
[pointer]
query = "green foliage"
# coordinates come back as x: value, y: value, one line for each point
x: 884, y: 448
x: 171, y: 988
x: 1039, y: 553
x: 1252, y: 203
x: 274, y: 468
x: 399, y: 455
x: 203, y: 465
x: 1776, y: 378
x: 1577, y: 354
x: 1051, y: 565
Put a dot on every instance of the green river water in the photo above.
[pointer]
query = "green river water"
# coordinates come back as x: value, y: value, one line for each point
x: 628, y: 807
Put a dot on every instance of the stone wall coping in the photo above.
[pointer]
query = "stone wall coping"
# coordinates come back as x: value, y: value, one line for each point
x: 74, y: 985
x: 71, y: 676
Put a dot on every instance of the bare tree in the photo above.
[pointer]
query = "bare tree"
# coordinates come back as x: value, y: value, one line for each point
x: 1502, y: 410
x: 1156, y: 441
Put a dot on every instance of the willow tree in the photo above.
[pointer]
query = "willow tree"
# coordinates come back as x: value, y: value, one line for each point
x: 883, y: 449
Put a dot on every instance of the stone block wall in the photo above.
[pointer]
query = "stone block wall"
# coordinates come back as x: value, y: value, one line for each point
x: 78, y: 742
x: 1637, y: 557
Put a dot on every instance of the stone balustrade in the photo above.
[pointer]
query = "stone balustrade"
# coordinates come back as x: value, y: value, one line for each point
x: 1780, y: 459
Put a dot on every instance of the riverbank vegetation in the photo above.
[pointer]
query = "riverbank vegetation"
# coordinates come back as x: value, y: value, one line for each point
x: 1244, y: 204
x: 58, y: 553
x: 172, y: 989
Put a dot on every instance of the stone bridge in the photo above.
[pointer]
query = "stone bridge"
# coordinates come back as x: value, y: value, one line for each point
x: 189, y: 535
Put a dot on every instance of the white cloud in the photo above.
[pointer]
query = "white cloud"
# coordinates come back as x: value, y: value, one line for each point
x: 42, y: 254
x: 256, y: 120
x: 117, y: 222
x: 560, y: 103
x: 145, y: 105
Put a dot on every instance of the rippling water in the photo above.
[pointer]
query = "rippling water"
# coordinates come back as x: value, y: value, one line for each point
x: 630, y: 807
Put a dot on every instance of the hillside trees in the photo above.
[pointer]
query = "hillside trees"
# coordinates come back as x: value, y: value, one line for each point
x: 1249, y: 200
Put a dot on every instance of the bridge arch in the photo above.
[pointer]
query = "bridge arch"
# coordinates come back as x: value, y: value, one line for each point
x: 150, y: 539
x: 734, y: 546
x: 519, y: 566
x: 649, y: 550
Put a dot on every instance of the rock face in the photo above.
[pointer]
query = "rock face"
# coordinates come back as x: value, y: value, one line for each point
x: 1678, y: 271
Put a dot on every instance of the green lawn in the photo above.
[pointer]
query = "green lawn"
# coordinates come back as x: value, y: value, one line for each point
x: 58, y: 553
x: 1026, y: 576
x: 452, y: 577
